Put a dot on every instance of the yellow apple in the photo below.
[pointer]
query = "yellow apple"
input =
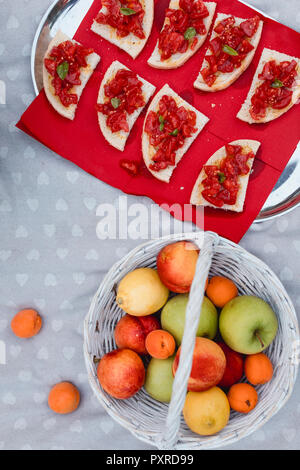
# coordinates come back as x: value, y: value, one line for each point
x: 207, y: 412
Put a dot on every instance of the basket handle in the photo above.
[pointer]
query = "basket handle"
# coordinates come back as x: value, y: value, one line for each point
x: 168, y: 438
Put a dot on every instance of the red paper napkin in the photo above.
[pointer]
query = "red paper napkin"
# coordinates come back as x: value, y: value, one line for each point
x: 82, y: 143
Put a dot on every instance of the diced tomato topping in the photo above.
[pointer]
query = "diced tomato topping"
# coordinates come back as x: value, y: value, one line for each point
x: 194, y: 43
x: 167, y: 130
x: 73, y: 57
x: 274, y: 91
x: 221, y: 184
x: 249, y: 27
x: 123, y: 23
x: 226, y: 23
x: 229, y: 48
x: 172, y: 38
x: 123, y: 95
x: 132, y: 167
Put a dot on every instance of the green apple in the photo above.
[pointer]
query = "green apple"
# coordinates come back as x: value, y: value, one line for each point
x: 159, y: 379
x: 173, y: 318
x: 248, y: 324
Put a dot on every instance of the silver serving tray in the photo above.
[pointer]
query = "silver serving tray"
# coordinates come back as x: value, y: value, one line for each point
x: 67, y: 16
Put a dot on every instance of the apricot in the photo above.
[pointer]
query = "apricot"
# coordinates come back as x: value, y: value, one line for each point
x: 121, y: 373
x: 258, y: 369
x: 242, y: 397
x: 26, y: 323
x: 160, y: 344
x: 63, y: 398
x: 220, y: 290
x: 208, y: 365
x: 176, y: 265
x: 131, y: 332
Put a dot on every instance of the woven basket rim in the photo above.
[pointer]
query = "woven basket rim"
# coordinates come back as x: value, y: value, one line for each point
x: 101, y: 395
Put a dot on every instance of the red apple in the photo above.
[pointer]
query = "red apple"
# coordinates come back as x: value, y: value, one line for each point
x: 176, y: 265
x: 234, y: 366
x: 131, y: 332
x: 208, y: 366
x: 121, y: 373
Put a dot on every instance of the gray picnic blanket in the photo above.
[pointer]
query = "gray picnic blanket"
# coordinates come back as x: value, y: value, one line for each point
x: 52, y: 259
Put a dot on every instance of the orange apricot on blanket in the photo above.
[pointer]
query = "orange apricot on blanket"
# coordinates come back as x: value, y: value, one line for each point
x: 26, y: 323
x: 242, y: 397
x: 160, y: 344
x: 220, y: 290
x: 63, y: 398
x: 258, y: 369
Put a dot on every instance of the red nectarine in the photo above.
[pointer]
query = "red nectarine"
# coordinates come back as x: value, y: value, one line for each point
x: 131, y: 332
x: 208, y: 366
x: 234, y: 366
x: 176, y: 265
x: 121, y: 373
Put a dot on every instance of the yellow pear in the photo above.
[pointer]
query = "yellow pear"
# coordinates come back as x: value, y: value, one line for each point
x: 141, y: 292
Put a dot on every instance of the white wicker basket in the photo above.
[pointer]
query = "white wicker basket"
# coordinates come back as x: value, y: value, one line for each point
x: 160, y: 424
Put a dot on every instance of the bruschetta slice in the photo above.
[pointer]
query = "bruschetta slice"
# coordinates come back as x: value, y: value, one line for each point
x: 231, y: 48
x: 275, y: 88
x: 67, y: 67
x: 122, y: 96
x: 125, y: 24
x: 223, y: 180
x: 185, y: 29
x: 170, y: 127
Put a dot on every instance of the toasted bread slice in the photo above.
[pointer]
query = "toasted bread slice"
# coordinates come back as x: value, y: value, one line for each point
x: 196, y: 196
x: 224, y: 80
x: 118, y: 139
x: 130, y: 43
x: 86, y: 72
x: 179, y: 59
x: 266, y: 56
x: 149, y: 151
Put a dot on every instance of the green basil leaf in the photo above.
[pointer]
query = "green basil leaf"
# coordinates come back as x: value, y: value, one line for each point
x: 115, y: 102
x: 161, y: 126
x: 229, y: 50
x: 221, y: 177
x: 190, y: 33
x: 277, y: 83
x: 62, y: 70
x: 161, y: 119
x: 127, y: 11
x: 174, y: 133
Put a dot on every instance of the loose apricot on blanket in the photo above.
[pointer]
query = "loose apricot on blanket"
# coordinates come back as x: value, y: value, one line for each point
x: 63, y: 398
x: 26, y: 323
x: 220, y: 290
x: 258, y: 369
x: 160, y: 344
x: 242, y: 397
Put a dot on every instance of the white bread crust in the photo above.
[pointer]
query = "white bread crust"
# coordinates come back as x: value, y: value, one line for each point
x: 149, y: 151
x: 118, y: 139
x: 266, y: 56
x: 224, y: 80
x: 131, y: 43
x: 92, y: 60
x: 178, y: 59
x: 196, y: 196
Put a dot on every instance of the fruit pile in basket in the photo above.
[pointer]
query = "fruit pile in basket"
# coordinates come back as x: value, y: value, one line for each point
x: 228, y: 361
